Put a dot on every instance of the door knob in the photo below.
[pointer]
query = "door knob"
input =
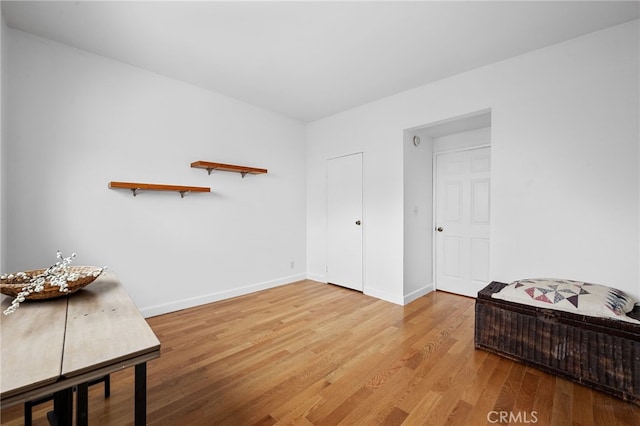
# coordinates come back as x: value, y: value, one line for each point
x: 439, y: 229
x: 358, y: 222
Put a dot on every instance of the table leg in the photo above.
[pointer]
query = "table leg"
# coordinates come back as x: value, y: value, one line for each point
x: 28, y: 414
x: 140, y: 404
x: 82, y: 405
x: 63, y: 407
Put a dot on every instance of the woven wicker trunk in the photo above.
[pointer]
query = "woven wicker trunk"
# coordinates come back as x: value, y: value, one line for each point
x: 601, y: 353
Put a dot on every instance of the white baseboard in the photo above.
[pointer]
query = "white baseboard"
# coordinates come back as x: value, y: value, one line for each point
x: 408, y: 298
x: 317, y: 277
x: 379, y: 294
x: 151, y: 311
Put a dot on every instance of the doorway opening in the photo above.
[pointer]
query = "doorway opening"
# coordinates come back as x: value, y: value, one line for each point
x: 426, y: 248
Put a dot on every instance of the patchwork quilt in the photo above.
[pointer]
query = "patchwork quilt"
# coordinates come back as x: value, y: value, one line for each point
x: 571, y: 296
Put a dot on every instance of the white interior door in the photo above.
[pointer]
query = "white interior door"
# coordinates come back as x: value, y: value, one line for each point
x: 462, y: 221
x: 344, y: 221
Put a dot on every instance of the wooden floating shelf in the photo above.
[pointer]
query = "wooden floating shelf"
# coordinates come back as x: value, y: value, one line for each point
x: 135, y: 187
x: 243, y: 170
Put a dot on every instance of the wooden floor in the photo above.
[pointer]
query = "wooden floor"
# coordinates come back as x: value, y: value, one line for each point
x: 315, y: 354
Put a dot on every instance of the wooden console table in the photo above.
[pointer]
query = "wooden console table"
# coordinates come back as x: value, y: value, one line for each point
x: 50, y: 346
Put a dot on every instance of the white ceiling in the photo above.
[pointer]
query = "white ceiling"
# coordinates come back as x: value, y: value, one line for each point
x: 309, y: 60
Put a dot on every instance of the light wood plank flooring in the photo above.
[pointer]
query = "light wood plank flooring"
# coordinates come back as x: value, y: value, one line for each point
x: 316, y: 354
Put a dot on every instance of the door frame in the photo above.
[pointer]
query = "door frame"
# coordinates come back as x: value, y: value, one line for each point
x: 434, y: 182
x: 363, y: 216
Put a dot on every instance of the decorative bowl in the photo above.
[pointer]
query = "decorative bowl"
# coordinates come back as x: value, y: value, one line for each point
x: 12, y: 284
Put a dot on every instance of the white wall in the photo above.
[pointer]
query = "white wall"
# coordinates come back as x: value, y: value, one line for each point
x: 3, y: 168
x: 565, y: 182
x: 418, y: 215
x: 77, y: 121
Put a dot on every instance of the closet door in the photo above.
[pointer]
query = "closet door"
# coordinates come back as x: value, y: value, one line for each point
x: 344, y: 221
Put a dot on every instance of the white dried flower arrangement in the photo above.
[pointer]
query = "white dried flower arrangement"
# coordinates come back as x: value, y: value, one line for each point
x: 58, y: 275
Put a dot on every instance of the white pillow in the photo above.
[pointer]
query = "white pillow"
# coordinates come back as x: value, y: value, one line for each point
x: 571, y: 296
